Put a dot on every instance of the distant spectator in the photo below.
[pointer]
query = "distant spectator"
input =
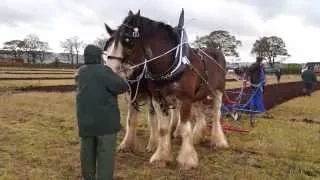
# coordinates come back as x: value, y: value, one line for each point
x: 278, y: 74
x: 256, y: 73
x: 309, y: 78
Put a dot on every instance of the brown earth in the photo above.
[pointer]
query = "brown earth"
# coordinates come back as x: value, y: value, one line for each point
x: 35, y: 78
x: 35, y: 72
x: 274, y: 94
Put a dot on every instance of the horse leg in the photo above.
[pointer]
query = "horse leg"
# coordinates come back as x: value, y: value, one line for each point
x: 128, y: 142
x: 177, y: 121
x: 200, y: 122
x: 218, y: 139
x: 162, y: 153
x: 188, y: 157
x: 153, y: 139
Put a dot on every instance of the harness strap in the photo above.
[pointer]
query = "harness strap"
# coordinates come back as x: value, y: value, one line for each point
x: 115, y: 57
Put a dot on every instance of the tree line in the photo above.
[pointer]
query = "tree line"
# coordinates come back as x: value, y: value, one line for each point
x: 268, y: 47
x: 31, y: 47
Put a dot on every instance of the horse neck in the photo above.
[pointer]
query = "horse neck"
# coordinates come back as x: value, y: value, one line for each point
x: 160, y: 43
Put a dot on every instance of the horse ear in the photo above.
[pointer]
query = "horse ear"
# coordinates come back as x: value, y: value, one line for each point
x: 109, y: 30
x: 138, y: 18
x: 130, y: 13
x: 181, y: 19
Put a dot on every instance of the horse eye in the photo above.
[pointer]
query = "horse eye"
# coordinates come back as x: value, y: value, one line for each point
x: 127, y: 39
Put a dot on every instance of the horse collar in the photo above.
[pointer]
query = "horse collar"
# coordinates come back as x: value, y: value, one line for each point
x: 180, y: 62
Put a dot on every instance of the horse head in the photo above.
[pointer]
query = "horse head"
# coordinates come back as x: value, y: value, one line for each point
x: 139, y: 38
x: 123, y: 41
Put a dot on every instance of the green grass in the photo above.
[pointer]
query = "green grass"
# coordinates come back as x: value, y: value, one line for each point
x: 302, y: 108
x: 39, y: 140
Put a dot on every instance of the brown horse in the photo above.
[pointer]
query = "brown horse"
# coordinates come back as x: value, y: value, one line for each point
x: 139, y: 93
x: 174, y: 86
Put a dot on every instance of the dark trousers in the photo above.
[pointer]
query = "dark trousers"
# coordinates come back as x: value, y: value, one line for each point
x: 307, y: 88
x: 98, y: 157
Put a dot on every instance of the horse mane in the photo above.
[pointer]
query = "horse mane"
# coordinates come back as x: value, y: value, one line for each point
x: 148, y: 30
x: 170, y: 30
x: 149, y: 25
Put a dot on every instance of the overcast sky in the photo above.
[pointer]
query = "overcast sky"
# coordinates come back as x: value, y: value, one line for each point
x: 296, y: 21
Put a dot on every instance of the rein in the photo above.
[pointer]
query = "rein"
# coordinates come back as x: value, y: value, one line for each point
x: 138, y: 80
x: 157, y: 57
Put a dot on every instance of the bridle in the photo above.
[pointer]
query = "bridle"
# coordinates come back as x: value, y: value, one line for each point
x: 135, y: 35
x: 116, y: 58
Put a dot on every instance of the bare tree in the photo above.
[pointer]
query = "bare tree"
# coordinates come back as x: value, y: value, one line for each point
x: 68, y: 47
x: 43, y: 48
x: 72, y: 45
x: 101, y: 42
x: 14, y: 47
x: 31, y: 45
x: 77, y: 44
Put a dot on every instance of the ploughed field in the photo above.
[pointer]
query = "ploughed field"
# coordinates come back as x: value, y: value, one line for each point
x: 39, y: 140
x: 16, y: 78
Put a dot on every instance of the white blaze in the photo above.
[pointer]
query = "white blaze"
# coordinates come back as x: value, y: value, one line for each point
x: 114, y: 51
x: 116, y: 65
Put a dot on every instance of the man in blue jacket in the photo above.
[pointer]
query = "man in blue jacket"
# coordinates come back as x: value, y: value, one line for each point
x: 256, y: 73
x: 98, y: 115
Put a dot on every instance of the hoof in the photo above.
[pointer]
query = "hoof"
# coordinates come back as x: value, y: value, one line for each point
x: 199, y: 138
x: 189, y: 164
x: 126, y: 148
x: 220, y: 146
x: 188, y: 160
x: 160, y: 160
x: 151, y: 147
x: 160, y: 164
x: 176, y: 134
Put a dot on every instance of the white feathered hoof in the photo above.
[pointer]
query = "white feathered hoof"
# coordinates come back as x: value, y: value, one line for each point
x: 199, y: 138
x: 222, y: 145
x: 151, y: 147
x: 160, y: 160
x: 126, y: 147
x: 176, y: 133
x: 188, y: 159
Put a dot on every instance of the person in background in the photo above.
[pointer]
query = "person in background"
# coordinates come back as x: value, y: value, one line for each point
x: 256, y: 73
x: 309, y: 78
x: 278, y: 74
x: 98, y: 115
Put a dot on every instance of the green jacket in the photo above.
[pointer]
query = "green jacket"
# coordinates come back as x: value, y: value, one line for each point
x: 97, y: 88
x: 308, y: 76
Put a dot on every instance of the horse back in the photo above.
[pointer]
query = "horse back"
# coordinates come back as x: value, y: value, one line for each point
x: 213, y: 68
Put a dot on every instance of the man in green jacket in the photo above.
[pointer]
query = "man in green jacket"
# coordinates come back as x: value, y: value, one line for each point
x: 98, y: 115
x: 309, y: 78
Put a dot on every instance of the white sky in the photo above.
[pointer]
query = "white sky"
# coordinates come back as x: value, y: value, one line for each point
x: 296, y: 21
